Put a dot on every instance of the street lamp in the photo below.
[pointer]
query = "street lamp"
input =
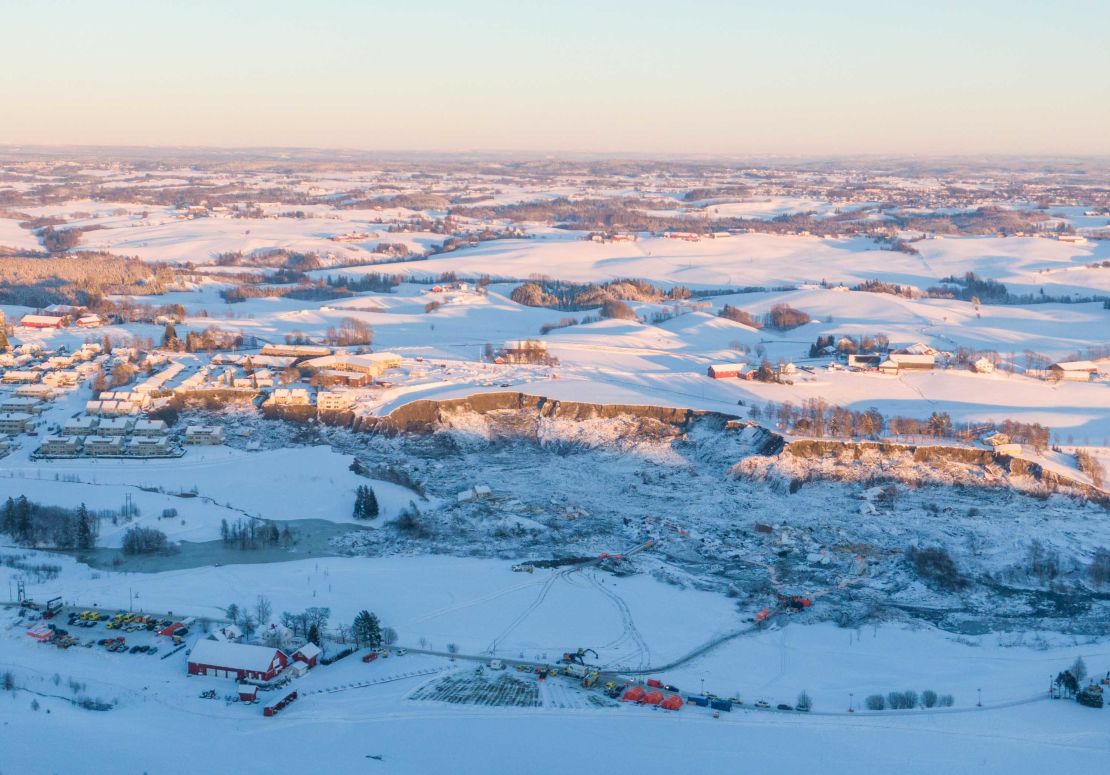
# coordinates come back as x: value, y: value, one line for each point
x: 851, y: 702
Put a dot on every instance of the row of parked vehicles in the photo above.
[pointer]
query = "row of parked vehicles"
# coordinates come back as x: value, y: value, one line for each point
x: 384, y: 653
x: 118, y: 645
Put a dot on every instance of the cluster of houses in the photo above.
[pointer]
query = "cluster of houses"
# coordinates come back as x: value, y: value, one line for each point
x: 31, y: 377
x: 331, y: 374
x: 93, y: 436
x: 746, y: 371
x: 456, y: 292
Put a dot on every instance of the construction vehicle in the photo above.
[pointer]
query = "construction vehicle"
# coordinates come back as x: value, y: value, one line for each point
x: 524, y: 568
x: 53, y: 607
x: 1090, y: 697
x: 578, y: 657
x: 575, y: 670
x: 591, y: 679
x: 795, y: 603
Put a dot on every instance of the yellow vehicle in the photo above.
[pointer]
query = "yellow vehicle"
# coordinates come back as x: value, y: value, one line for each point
x: 110, y: 625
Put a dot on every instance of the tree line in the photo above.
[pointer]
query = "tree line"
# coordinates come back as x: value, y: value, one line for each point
x: 33, y: 524
x: 817, y: 418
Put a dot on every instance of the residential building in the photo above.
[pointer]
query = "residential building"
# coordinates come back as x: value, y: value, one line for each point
x: 115, y: 426
x: 327, y: 401
x: 149, y: 446
x: 97, y: 446
x: 59, y: 446
x: 204, y: 434
x: 14, y: 423
x: 150, y: 428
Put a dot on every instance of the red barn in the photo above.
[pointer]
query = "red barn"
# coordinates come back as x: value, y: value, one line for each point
x: 236, y: 660
x: 726, y: 370
x: 42, y: 321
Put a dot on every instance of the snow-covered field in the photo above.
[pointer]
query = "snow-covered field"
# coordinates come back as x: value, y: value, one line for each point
x: 436, y: 565
x: 339, y: 721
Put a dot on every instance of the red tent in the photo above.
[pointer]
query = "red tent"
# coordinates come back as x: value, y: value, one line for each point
x: 674, y: 702
x: 635, y: 694
x: 169, y: 631
x: 653, y: 698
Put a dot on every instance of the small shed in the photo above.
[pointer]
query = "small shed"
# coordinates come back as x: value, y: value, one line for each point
x: 309, y: 653
x: 248, y: 693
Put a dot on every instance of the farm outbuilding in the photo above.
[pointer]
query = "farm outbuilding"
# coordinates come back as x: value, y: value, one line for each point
x: 42, y: 321
x: 1073, y: 371
x: 223, y: 659
x: 726, y: 370
x: 309, y: 653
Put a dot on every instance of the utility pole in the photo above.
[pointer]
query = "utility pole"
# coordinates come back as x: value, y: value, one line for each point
x: 980, y: 703
x: 851, y: 702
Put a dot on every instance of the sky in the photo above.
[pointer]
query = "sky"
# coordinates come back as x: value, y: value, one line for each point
x: 808, y: 77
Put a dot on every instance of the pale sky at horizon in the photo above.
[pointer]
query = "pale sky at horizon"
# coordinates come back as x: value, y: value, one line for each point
x: 706, y: 76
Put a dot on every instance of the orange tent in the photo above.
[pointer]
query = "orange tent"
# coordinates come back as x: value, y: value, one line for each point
x: 674, y: 702
x: 635, y: 694
x: 653, y: 698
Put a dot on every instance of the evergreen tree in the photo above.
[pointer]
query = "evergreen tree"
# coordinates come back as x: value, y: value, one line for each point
x: 360, y: 628
x: 169, y: 337
x: 23, y: 531
x: 374, y: 638
x: 370, y: 503
x: 360, y: 502
x: 85, y: 538
x: 7, y: 517
x: 367, y: 630
x: 314, y: 634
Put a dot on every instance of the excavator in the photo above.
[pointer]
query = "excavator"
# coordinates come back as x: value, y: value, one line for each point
x: 577, y: 657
